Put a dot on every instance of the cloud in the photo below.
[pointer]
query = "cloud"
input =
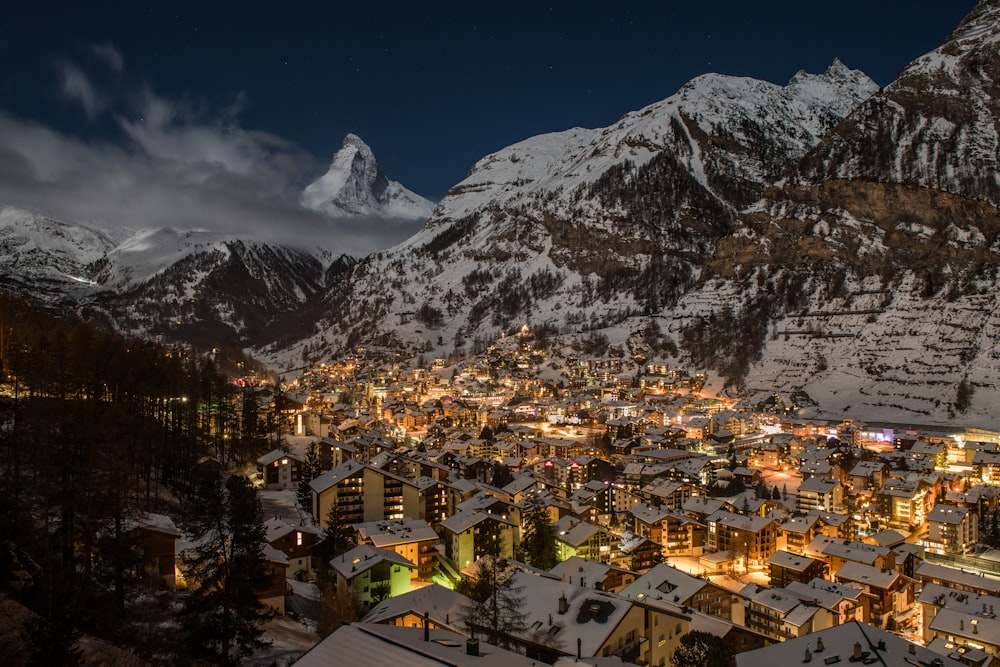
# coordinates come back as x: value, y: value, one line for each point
x: 76, y: 86
x: 176, y: 165
x: 108, y: 54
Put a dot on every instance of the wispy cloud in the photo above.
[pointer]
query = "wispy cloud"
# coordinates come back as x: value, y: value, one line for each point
x: 76, y: 86
x: 177, y: 163
x: 111, y: 56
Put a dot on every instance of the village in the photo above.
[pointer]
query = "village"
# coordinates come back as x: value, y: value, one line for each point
x: 677, y: 510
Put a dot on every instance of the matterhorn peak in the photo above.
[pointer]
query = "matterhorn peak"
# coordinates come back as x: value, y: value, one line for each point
x: 354, y: 186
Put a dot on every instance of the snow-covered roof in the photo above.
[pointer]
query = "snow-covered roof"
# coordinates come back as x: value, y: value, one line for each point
x: 463, y: 521
x: 791, y: 561
x: 277, y: 527
x: 878, y: 646
x: 377, y: 645
x: 389, y: 533
x: 365, y: 557
x: 867, y: 575
x: 443, y: 606
x: 160, y: 523
x: 966, y: 579
x: 950, y: 514
x: 664, y: 582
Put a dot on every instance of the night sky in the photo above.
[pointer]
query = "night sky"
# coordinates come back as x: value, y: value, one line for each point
x: 134, y: 106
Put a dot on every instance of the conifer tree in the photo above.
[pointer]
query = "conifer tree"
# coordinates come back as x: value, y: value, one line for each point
x: 222, y: 615
x: 701, y: 649
x: 311, y: 469
x: 496, y: 610
x: 539, y: 542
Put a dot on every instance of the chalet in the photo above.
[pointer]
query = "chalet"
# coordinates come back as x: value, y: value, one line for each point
x: 664, y: 582
x: 891, y: 592
x: 435, y: 605
x: 797, y: 531
x: 276, y: 571
x: 675, y: 531
x: 469, y: 535
x: 310, y: 422
x: 280, y: 469
x: 905, y: 503
x: 956, y: 616
x: 752, y: 537
x: 151, y: 541
x: 820, y: 493
x: 412, y: 539
x: 639, y: 553
x: 579, y: 538
x: 781, y: 614
x: 785, y: 567
x: 868, y: 475
x: 592, y: 624
x: 593, y: 574
x: 372, y: 574
x: 854, y: 642
x: 297, y: 543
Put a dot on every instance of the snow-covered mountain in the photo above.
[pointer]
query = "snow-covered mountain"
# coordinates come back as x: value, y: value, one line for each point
x: 48, y: 257
x: 821, y: 238
x: 354, y: 186
x: 584, y: 227
x: 207, y: 288
x: 934, y: 126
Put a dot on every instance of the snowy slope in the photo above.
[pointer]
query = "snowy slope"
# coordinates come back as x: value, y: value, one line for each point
x: 354, y: 186
x: 769, y: 127
x: 587, y: 226
x: 935, y: 125
x: 787, y: 238
x: 48, y: 256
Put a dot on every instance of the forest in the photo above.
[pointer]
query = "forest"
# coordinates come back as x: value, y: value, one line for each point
x: 97, y: 430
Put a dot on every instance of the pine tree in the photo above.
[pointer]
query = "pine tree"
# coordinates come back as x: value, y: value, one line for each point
x: 311, y: 469
x: 701, y: 649
x: 496, y: 610
x: 222, y: 615
x: 775, y: 494
x: 539, y: 542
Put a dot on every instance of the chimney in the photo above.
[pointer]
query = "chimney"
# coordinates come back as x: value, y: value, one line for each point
x: 881, y: 644
x: 819, y: 645
x: 857, y: 651
x: 913, y: 649
x: 427, y: 626
x: 472, y: 646
x: 579, y: 644
x: 808, y: 656
x: 563, y: 604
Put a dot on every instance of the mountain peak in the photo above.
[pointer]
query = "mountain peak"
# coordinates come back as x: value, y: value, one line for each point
x: 354, y: 186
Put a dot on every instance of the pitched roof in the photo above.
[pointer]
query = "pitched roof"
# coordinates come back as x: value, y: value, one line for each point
x: 881, y: 648
x: 443, y: 606
x: 664, y: 582
x: 365, y: 557
x: 377, y: 645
